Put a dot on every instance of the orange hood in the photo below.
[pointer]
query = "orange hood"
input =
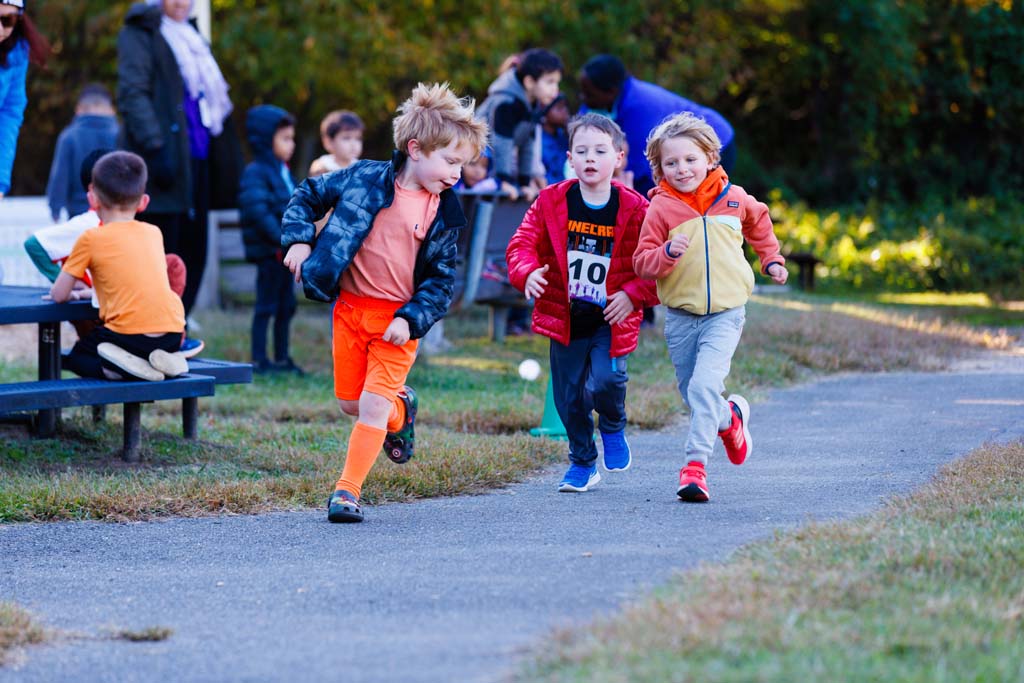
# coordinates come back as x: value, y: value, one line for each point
x: 701, y: 199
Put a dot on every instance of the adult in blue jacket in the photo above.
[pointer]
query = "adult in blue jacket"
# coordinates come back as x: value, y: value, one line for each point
x: 637, y: 106
x: 19, y: 42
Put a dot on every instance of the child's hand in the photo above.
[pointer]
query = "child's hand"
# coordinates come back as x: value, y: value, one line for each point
x: 678, y: 245
x: 296, y: 256
x: 509, y: 190
x: 528, y: 193
x: 81, y: 292
x: 535, y: 283
x: 397, y: 332
x: 618, y: 308
x: 778, y: 273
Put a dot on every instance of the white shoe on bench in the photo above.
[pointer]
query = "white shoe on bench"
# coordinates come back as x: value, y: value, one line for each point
x: 171, y: 364
x: 129, y: 362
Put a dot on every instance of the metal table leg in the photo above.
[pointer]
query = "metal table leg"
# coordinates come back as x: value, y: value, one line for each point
x: 49, y: 368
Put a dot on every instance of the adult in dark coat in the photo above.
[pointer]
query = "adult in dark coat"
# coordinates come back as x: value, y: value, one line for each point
x: 175, y: 108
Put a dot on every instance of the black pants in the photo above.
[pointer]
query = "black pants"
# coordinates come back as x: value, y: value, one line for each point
x: 585, y: 378
x: 186, y: 233
x: 84, y: 360
x: 275, y: 297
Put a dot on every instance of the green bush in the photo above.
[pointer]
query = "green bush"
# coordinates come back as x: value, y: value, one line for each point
x: 963, y: 245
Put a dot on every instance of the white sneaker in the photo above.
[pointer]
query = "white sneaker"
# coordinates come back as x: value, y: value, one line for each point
x: 171, y: 364
x: 129, y: 362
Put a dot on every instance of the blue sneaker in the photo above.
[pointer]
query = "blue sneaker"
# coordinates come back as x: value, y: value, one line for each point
x: 191, y: 347
x: 617, y: 456
x: 578, y: 479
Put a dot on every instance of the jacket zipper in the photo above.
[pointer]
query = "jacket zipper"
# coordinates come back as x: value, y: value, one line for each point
x: 707, y: 249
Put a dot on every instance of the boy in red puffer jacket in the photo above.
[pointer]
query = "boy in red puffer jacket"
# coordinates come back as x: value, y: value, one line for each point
x: 574, y: 255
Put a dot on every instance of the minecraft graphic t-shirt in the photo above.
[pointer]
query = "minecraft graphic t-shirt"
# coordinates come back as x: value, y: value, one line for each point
x: 591, y: 236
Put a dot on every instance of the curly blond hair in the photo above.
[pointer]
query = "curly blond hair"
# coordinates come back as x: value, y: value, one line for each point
x: 684, y: 125
x: 434, y: 116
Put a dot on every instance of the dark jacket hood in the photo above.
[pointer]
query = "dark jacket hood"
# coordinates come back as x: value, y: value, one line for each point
x: 260, y: 125
x: 144, y: 15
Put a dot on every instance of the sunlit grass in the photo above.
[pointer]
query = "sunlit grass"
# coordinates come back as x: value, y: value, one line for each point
x: 279, y: 443
x: 928, y: 589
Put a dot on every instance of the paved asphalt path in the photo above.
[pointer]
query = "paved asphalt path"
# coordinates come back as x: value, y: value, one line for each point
x: 459, y: 589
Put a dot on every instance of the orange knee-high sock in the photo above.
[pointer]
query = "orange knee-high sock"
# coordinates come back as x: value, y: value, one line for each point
x: 397, y: 417
x: 363, y: 447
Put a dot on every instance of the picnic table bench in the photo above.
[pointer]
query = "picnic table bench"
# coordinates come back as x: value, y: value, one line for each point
x: 50, y: 393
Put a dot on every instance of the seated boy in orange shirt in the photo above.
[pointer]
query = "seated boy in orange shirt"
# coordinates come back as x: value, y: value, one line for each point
x: 143, y: 319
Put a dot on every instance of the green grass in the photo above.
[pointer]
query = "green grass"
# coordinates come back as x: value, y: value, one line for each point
x: 279, y: 443
x: 929, y: 590
x: 974, y: 309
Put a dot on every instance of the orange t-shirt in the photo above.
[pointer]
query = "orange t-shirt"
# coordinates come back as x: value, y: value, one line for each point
x: 129, y: 274
x: 383, y: 267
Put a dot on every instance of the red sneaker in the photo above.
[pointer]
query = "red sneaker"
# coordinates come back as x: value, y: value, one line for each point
x: 693, y: 484
x: 736, y: 438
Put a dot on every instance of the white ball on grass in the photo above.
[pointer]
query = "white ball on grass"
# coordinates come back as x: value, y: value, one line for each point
x: 529, y: 369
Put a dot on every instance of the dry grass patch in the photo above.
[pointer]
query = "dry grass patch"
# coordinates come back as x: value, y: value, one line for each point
x: 17, y: 629
x: 928, y: 589
x: 278, y: 444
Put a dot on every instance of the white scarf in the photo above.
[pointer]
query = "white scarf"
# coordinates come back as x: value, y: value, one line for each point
x: 198, y: 69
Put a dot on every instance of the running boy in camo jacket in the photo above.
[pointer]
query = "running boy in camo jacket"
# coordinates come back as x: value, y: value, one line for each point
x: 387, y: 259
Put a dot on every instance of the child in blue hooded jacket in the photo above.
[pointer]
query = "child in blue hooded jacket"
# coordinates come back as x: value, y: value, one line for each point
x: 265, y: 189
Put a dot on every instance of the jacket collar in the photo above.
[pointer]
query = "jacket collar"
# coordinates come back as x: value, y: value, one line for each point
x: 450, y: 206
x: 704, y: 197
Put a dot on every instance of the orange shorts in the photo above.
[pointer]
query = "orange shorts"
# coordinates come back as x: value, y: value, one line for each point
x: 363, y: 361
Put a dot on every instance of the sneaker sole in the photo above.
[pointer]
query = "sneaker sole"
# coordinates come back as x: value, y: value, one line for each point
x: 565, y: 487
x: 744, y: 407
x: 344, y: 517
x: 629, y: 463
x: 130, y: 363
x: 171, y: 364
x: 194, y: 352
x: 691, y: 493
x: 343, y: 513
x: 400, y: 449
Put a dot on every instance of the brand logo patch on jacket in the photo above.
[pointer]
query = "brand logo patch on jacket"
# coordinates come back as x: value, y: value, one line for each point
x: 733, y: 205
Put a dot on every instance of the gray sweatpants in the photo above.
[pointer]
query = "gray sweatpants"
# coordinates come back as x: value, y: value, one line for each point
x: 701, y: 349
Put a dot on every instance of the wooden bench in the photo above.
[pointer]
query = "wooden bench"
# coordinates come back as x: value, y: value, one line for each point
x: 806, y: 262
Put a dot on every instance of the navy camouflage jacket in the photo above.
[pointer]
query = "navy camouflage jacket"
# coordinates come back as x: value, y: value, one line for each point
x: 356, y: 194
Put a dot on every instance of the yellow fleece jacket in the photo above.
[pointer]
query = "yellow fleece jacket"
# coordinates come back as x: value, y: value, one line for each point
x: 712, y: 275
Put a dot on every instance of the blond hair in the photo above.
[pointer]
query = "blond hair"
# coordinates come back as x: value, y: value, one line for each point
x: 434, y: 116
x: 684, y: 125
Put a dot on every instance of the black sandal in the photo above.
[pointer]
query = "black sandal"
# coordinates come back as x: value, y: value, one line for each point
x: 343, y: 507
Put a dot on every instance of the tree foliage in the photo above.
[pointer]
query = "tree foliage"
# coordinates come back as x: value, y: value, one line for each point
x: 834, y: 101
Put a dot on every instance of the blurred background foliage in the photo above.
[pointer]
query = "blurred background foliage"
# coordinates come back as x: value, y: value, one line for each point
x: 871, y: 106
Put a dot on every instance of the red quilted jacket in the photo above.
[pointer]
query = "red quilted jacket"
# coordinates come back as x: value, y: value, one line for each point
x: 543, y: 238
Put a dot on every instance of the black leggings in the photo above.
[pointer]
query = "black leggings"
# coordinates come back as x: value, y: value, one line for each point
x: 84, y: 360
